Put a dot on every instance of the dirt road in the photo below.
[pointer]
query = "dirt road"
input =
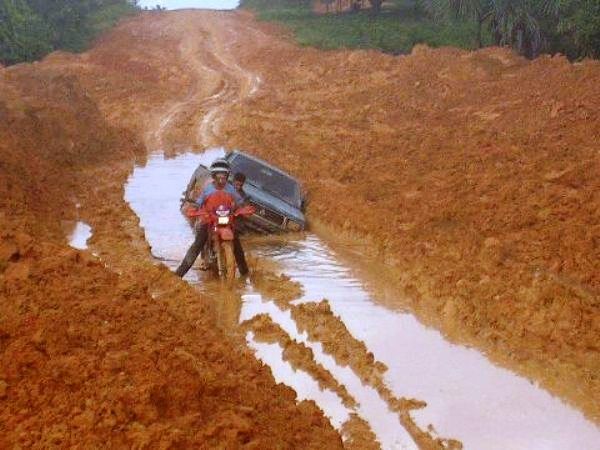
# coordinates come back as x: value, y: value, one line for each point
x: 489, y: 177
x: 112, y: 349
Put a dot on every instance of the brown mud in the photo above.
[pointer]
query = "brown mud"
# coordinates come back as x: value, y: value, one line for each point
x: 323, y: 326
x: 358, y: 436
x: 488, y: 175
x: 114, y: 350
x: 300, y: 356
x: 89, y: 358
x: 318, y: 320
x: 475, y: 178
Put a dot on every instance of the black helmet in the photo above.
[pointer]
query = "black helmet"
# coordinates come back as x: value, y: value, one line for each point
x: 220, y: 166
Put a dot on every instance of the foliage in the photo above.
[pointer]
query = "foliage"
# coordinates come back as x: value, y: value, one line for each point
x: 511, y: 22
x: 531, y: 26
x: 394, y: 29
x: 578, y: 27
x: 23, y: 35
x: 571, y: 27
x: 31, y: 28
x: 106, y: 17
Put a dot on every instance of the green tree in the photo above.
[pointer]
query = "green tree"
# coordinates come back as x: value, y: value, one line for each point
x: 578, y: 23
x: 67, y: 20
x: 515, y: 23
x: 30, y: 29
x: 479, y: 11
x: 23, y: 34
x: 511, y: 22
x: 376, y: 5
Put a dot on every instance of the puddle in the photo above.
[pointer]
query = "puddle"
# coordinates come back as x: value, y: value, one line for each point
x: 305, y: 386
x: 372, y: 407
x: 468, y: 398
x: 154, y: 193
x: 79, y: 235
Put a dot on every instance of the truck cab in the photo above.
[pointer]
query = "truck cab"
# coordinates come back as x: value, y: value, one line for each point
x: 277, y: 196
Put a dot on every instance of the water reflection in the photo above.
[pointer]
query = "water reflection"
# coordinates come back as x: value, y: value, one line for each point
x: 468, y: 397
x: 305, y: 386
x: 80, y: 235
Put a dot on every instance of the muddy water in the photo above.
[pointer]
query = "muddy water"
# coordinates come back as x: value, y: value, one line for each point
x: 468, y: 398
x: 79, y: 234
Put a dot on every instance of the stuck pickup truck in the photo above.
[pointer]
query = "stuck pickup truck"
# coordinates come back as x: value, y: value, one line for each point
x: 277, y: 196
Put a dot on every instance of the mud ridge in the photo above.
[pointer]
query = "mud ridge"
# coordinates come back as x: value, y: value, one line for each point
x: 277, y: 287
x: 297, y: 354
x: 321, y: 325
x: 487, y: 181
x: 357, y: 435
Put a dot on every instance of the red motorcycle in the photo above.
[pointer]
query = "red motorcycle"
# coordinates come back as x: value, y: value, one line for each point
x: 218, y: 252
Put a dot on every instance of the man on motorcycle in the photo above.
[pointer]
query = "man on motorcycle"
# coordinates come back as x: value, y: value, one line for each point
x: 219, y: 170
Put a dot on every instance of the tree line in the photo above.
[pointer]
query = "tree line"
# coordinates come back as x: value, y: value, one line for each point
x: 30, y: 29
x: 570, y: 27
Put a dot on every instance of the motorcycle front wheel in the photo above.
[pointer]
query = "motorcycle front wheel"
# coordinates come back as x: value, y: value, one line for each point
x: 229, y: 259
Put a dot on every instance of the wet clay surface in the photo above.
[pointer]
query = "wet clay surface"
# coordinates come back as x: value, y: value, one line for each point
x: 349, y: 354
x: 89, y: 358
x: 113, y: 350
x: 475, y: 183
x: 488, y: 176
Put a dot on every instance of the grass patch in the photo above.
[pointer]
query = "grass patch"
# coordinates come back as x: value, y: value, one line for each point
x: 396, y: 29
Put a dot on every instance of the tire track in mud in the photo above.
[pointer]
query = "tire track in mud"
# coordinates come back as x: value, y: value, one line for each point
x: 248, y: 84
x: 333, y: 331
x: 189, y: 49
x: 228, y: 84
x: 200, y: 114
x: 232, y: 84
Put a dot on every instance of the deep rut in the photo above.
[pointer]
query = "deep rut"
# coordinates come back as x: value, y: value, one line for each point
x: 219, y: 83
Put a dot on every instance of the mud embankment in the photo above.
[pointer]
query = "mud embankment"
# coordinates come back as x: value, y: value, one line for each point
x: 112, y: 350
x: 474, y: 176
x: 90, y: 358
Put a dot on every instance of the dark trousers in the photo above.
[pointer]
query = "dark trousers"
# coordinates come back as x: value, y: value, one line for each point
x: 198, y: 245
x: 240, y: 258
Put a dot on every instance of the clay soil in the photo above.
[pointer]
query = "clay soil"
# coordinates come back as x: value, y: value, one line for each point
x: 473, y: 179
x: 110, y: 349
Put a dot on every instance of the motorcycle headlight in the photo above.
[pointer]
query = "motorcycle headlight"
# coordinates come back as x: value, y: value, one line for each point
x: 293, y: 226
x: 223, y: 220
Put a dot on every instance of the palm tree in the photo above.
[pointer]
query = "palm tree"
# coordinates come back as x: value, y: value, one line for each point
x: 514, y: 23
x: 376, y: 5
x: 511, y: 22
